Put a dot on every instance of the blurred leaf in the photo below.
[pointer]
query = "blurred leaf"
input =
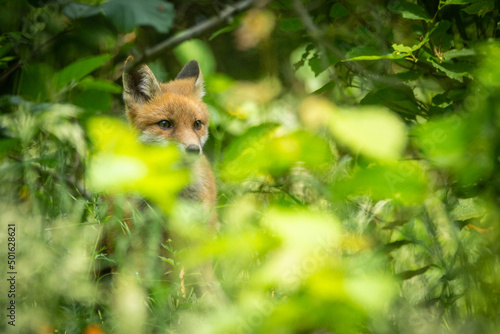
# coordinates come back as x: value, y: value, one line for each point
x: 409, y: 10
x: 457, y: 71
x: 291, y: 24
x: 403, y: 181
x: 6, y: 145
x: 34, y: 84
x: 412, y: 273
x: 263, y: 150
x: 121, y: 164
x: 79, y: 69
x: 399, y: 98
x: 128, y: 14
x: 480, y: 8
x: 395, y: 245
x: 458, y: 145
x: 100, y: 85
x: 93, y: 100
x: 452, y: 54
x: 198, y: 50
x: 468, y: 208
x: 372, y: 131
x: 77, y: 10
x: 458, y: 2
x: 338, y: 10
x: 224, y: 30
x: 359, y: 53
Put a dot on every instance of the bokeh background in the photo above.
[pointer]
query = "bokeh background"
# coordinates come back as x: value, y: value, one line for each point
x: 355, y: 144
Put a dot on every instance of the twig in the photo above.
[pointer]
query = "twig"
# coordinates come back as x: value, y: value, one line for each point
x: 19, y: 63
x: 225, y: 14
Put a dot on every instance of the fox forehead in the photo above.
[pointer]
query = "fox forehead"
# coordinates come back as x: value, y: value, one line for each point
x: 173, y: 107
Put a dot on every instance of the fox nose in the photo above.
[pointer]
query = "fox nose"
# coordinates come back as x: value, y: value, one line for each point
x: 193, y: 149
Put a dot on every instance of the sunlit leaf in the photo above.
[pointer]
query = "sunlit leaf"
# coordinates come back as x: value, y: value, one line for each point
x: 121, y: 164
x: 457, y: 144
x: 360, y: 53
x: 198, y: 50
x: 402, y: 181
x: 372, y: 131
x: 468, y: 208
x: 264, y: 150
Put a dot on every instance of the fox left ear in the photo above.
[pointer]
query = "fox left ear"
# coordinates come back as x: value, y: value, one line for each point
x: 192, y: 70
x: 139, y: 84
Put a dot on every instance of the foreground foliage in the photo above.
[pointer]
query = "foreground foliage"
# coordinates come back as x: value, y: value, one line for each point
x: 356, y: 146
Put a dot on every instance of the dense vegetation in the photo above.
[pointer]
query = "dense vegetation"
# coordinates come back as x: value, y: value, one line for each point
x: 356, y: 146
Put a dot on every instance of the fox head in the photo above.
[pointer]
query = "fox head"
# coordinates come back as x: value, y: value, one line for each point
x: 166, y: 112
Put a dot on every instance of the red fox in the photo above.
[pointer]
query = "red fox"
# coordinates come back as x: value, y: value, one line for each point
x: 173, y: 112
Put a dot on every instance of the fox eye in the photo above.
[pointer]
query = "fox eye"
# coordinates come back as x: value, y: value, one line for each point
x: 164, y: 124
x: 197, y: 125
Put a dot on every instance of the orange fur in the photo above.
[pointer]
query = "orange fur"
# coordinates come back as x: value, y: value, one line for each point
x: 179, y: 102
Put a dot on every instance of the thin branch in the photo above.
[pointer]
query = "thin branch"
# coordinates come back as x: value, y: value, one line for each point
x: 196, y: 30
x: 19, y: 63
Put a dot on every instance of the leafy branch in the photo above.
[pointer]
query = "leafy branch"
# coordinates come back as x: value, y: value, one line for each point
x: 226, y: 14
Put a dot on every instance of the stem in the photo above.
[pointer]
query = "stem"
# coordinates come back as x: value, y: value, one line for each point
x: 196, y: 30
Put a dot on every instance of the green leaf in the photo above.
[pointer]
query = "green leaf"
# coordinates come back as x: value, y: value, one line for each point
x: 198, y: 50
x: 359, y: 53
x: 480, y: 8
x: 224, y: 30
x: 79, y: 69
x: 457, y: 71
x: 262, y: 151
x: 128, y: 14
x: 402, y: 181
x: 402, y: 48
x: 168, y: 260
x: 93, y: 100
x: 34, y: 84
x: 316, y: 65
x: 76, y: 10
x: 458, y: 2
x: 412, y: 273
x: 372, y: 131
x: 409, y: 10
x: 7, y: 145
x: 467, y: 209
x: 292, y: 24
x: 244, y: 144
x: 100, y: 85
x: 452, y: 54
x: 398, y: 98
x: 457, y: 144
x: 338, y: 10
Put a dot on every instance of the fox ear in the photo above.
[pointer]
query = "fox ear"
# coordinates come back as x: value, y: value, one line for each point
x: 139, y: 84
x: 192, y: 70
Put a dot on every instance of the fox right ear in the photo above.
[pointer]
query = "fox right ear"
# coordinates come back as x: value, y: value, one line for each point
x: 139, y: 84
x: 192, y: 71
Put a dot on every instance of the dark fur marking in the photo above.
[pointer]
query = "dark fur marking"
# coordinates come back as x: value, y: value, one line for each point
x: 190, y: 70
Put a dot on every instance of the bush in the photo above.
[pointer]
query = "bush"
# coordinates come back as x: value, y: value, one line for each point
x: 355, y: 146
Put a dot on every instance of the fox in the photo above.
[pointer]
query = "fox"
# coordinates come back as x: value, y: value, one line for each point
x: 174, y: 112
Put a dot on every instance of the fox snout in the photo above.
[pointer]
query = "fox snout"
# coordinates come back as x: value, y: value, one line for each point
x: 193, y: 149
